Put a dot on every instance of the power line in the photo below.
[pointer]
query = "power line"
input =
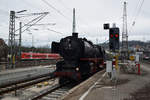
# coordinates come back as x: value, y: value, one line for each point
x: 137, y: 14
x: 29, y: 4
x: 136, y: 8
x: 70, y: 10
x: 139, y: 9
x: 42, y: 16
x: 54, y: 31
x: 65, y: 6
x: 34, y: 21
x: 58, y: 11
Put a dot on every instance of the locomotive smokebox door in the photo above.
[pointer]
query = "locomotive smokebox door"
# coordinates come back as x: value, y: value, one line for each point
x: 55, y: 47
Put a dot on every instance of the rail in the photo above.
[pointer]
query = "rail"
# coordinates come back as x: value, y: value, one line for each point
x: 5, y: 88
x: 25, y: 80
x: 47, y: 91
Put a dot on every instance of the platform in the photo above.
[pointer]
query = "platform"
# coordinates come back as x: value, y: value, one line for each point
x: 102, y: 88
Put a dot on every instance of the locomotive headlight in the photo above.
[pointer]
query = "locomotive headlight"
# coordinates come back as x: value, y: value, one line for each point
x: 77, y: 69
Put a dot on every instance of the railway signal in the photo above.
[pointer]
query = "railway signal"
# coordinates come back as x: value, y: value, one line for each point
x: 114, y: 39
x: 106, y: 26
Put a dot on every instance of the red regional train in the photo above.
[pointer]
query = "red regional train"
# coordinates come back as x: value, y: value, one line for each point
x: 39, y: 56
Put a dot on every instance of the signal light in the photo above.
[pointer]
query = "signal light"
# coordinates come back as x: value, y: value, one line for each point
x: 111, y: 35
x: 116, y: 35
x: 114, y: 39
x: 106, y: 26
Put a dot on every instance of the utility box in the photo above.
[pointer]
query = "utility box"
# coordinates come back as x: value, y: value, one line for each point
x: 108, y: 66
x: 137, y: 58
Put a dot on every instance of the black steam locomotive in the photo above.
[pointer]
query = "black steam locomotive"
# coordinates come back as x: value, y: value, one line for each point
x: 81, y: 58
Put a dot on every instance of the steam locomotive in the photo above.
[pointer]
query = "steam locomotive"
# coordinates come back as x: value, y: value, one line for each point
x: 81, y: 58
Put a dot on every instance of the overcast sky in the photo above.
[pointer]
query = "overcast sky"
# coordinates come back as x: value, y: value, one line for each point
x: 90, y: 17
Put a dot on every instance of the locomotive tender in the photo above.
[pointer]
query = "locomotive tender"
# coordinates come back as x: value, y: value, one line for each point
x: 81, y: 58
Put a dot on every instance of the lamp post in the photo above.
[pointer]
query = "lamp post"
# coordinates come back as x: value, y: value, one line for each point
x: 20, y: 31
x: 20, y: 38
x: 32, y: 40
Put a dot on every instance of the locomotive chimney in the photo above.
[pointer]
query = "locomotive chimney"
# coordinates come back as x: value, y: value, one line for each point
x: 74, y: 22
x: 75, y: 35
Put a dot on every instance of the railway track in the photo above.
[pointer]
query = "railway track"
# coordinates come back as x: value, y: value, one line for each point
x: 24, y: 83
x: 52, y: 93
x: 55, y: 92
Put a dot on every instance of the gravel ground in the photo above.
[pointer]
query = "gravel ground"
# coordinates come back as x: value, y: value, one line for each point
x: 142, y: 93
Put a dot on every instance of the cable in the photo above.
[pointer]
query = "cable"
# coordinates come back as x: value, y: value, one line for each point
x: 32, y: 21
x: 60, y: 12
x: 65, y: 6
x: 29, y: 4
x: 140, y: 8
x: 136, y: 8
x: 136, y: 16
x: 56, y: 10
x: 54, y: 31
x: 70, y: 10
x: 41, y: 17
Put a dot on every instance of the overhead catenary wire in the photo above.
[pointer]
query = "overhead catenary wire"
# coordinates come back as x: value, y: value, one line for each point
x: 54, y: 31
x: 29, y: 25
x: 135, y: 10
x: 31, y: 14
x: 58, y: 11
x: 28, y: 15
x: 137, y: 14
x: 32, y: 21
x: 70, y: 10
x: 65, y: 6
x: 30, y: 4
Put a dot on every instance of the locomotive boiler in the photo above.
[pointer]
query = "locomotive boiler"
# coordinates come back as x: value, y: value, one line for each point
x: 81, y: 58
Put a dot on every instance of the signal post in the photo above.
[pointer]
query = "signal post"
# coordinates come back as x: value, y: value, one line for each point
x: 114, y: 41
